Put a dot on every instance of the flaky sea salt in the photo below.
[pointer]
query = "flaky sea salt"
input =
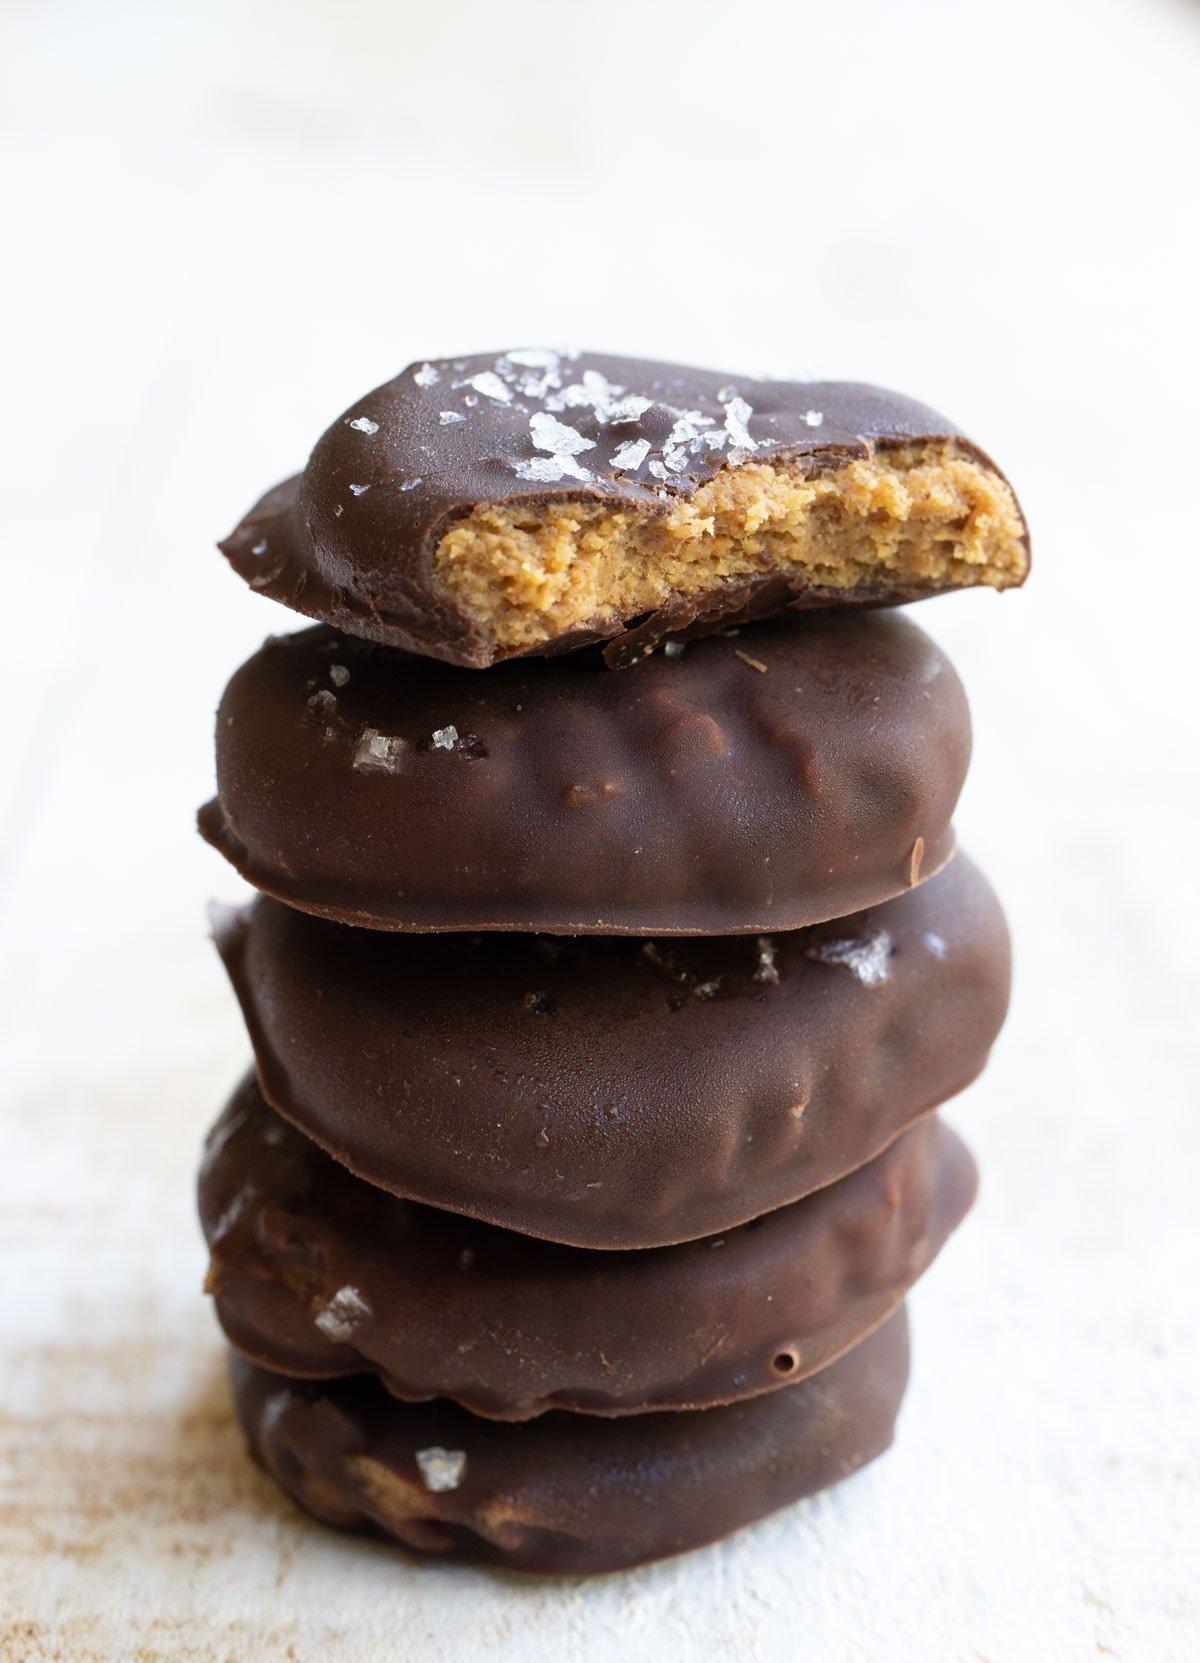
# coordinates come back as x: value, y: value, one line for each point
x: 628, y: 409
x: 448, y: 416
x: 490, y: 385
x: 410, y: 484
x: 364, y: 424
x: 359, y: 490
x: 342, y: 1315
x: 865, y: 957
x: 674, y: 649
x: 936, y: 943
x: 533, y: 357
x: 814, y: 418
x: 441, y: 1469
x: 765, y: 969
x: 631, y: 454
x: 260, y: 548
x: 548, y: 470
x: 426, y: 376
x: 550, y: 434
x: 596, y: 392
x: 339, y: 675
x: 737, y: 414
x: 445, y: 739
x: 378, y: 753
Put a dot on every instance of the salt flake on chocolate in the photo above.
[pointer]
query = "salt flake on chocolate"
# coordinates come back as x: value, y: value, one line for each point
x: 865, y: 957
x: 445, y: 739
x: 426, y: 376
x: 631, y: 454
x: 378, y: 753
x: 448, y: 416
x: 813, y: 418
x: 766, y: 970
x: 343, y: 1314
x: 364, y: 424
x: 441, y: 1469
x: 490, y: 385
x: 737, y: 414
x: 548, y: 470
x: 359, y: 490
x: 533, y: 357
x: 629, y: 409
x: 556, y: 437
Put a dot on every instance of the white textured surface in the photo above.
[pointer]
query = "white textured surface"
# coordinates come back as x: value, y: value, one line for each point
x: 223, y: 222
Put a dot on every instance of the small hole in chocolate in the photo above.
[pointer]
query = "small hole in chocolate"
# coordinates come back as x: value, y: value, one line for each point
x: 785, y: 1362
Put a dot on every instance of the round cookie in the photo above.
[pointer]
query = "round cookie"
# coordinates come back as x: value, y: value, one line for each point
x: 477, y: 509
x: 317, y: 1274
x: 615, y: 1092
x: 739, y: 785
x: 568, y: 1495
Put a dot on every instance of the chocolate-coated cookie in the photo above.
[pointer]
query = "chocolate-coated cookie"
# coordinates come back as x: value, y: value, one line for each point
x: 482, y: 508
x: 568, y: 1495
x: 758, y: 782
x: 317, y: 1274
x: 614, y: 1092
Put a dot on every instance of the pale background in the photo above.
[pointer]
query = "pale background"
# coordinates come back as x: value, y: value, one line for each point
x: 223, y: 221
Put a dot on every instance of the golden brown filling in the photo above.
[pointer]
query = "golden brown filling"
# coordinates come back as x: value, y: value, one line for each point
x: 931, y: 516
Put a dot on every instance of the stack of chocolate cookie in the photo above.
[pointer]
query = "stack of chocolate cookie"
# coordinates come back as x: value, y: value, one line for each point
x: 611, y: 958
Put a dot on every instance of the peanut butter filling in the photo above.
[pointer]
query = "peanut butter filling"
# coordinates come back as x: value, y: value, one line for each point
x: 932, y: 517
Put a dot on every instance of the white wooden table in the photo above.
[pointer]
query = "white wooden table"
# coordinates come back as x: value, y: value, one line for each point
x: 223, y: 222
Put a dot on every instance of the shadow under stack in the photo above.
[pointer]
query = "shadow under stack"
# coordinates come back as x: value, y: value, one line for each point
x: 612, y: 955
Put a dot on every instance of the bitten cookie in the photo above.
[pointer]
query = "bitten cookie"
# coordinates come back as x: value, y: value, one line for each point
x: 745, y: 784
x: 568, y: 1495
x: 616, y: 1092
x: 315, y: 1273
x: 477, y: 509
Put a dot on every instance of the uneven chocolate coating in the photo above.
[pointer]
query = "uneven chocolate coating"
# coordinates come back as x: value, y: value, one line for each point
x: 568, y: 1495
x: 351, y: 541
x: 750, y: 783
x: 317, y: 1274
x: 613, y: 1093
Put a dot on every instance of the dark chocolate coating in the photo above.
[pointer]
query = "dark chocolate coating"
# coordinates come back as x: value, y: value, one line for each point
x: 569, y: 1495
x: 317, y: 1274
x: 351, y: 541
x: 610, y: 1093
x: 701, y: 795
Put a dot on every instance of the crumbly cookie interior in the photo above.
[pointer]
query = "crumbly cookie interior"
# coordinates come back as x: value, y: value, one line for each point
x: 929, y: 516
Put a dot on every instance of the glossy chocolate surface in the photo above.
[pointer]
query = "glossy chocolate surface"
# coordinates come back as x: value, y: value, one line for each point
x: 755, y: 782
x: 317, y: 1274
x: 568, y: 1495
x: 615, y: 1092
x: 351, y: 541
